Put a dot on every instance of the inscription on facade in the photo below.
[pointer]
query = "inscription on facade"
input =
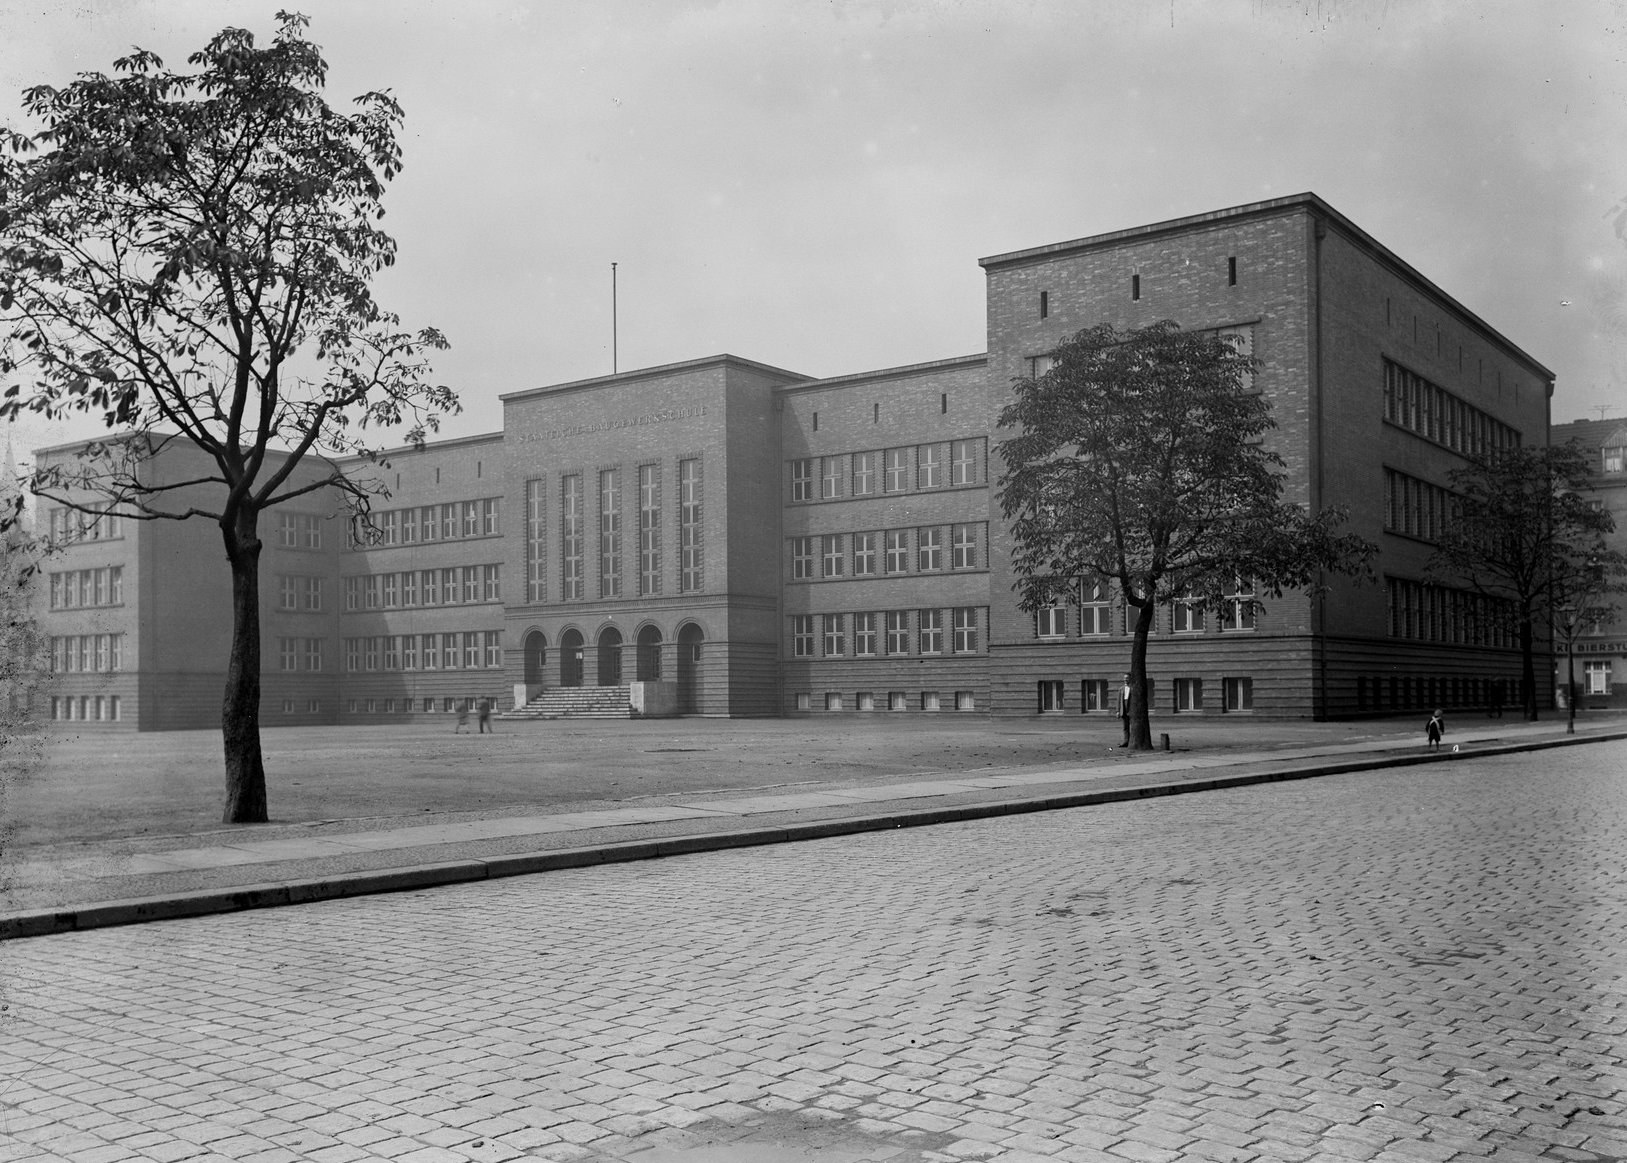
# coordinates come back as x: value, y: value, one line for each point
x: 664, y: 416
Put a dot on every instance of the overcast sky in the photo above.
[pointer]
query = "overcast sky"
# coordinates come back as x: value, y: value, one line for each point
x: 810, y: 183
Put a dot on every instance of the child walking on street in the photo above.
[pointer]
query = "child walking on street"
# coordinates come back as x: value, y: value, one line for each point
x: 1433, y: 730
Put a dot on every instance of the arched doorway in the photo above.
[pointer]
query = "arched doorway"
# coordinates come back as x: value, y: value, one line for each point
x: 570, y: 658
x: 689, y: 668
x: 610, y: 656
x: 649, y: 654
x: 536, y: 657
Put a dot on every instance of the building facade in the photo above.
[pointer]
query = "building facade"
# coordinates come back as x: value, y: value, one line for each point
x: 727, y: 538
x: 1599, y: 653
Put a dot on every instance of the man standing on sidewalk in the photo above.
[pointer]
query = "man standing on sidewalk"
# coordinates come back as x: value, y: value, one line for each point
x: 1124, y: 710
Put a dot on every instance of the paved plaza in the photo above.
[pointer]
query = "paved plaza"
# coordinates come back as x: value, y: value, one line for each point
x: 1414, y: 964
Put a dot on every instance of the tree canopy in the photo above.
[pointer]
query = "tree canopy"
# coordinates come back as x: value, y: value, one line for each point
x: 187, y: 256
x: 1138, y: 458
x: 1525, y: 533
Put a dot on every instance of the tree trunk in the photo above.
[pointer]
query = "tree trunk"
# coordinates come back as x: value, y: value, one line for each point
x: 1140, y: 724
x: 240, y: 712
x: 1528, y: 671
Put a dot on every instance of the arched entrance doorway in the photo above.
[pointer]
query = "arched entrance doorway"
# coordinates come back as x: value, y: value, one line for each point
x: 610, y: 657
x: 570, y: 658
x: 689, y: 669
x: 649, y: 654
x: 536, y: 657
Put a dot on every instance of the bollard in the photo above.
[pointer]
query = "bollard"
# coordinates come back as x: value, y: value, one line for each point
x: 1163, y: 740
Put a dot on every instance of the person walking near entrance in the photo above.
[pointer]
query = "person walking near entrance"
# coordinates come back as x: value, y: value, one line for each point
x: 1433, y: 730
x: 483, y: 713
x: 1124, y: 710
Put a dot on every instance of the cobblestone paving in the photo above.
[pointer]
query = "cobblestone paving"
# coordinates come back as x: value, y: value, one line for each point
x: 1420, y: 965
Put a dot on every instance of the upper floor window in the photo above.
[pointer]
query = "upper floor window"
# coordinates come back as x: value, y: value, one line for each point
x: 802, y: 480
x: 898, y: 470
x: 830, y: 477
x: 929, y: 466
x: 864, y: 473
x: 965, y: 461
x: 802, y: 558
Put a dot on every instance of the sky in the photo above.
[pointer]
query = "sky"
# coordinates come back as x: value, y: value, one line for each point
x: 810, y: 183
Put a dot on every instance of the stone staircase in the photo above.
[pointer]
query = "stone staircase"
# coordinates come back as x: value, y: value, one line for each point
x: 577, y: 702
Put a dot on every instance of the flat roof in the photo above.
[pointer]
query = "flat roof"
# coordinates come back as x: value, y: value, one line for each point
x: 722, y: 360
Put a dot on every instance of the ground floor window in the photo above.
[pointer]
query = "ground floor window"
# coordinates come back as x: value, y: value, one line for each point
x: 1596, y: 677
x: 866, y: 700
x: 929, y: 700
x: 1189, y: 694
x: 1093, y: 695
x: 804, y: 701
x: 833, y: 700
x: 964, y: 701
x: 895, y: 701
x: 1239, y: 693
x: 1050, y: 694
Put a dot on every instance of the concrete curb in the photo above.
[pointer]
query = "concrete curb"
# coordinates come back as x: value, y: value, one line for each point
x: 44, y: 922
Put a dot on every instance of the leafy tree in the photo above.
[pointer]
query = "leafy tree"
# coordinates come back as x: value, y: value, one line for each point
x: 1524, y: 534
x: 188, y: 257
x: 1138, y: 459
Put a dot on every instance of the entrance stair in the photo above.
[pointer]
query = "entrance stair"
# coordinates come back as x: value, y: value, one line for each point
x: 577, y: 702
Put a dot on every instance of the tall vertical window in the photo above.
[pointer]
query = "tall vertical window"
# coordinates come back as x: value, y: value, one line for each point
x: 492, y: 641
x: 898, y: 550
x: 898, y: 632
x: 802, y: 558
x: 928, y: 466
x: 691, y: 576
x: 802, y: 635
x: 471, y: 583
x: 409, y: 588
x: 488, y: 517
x: 288, y: 648
x: 432, y: 586
x: 835, y: 635
x: 802, y: 480
x: 392, y: 592
x: 390, y: 527
x: 1187, y: 616
x: 409, y: 652
x: 449, y: 520
x: 310, y: 526
x: 570, y: 536
x: 471, y: 518
x: 864, y: 554
x: 965, y: 627
x: 1051, y: 622
x: 452, y: 585
x: 287, y: 593
x: 929, y: 549
x: 930, y: 631
x: 536, y: 543
x: 287, y: 530
x: 963, y: 546
x: 313, y: 654
x: 1095, y: 608
x: 1238, y: 612
x: 409, y: 526
x: 610, y: 533
x: 864, y: 634
x: 898, y: 470
x: 493, y: 583
x: 1239, y: 693
x: 432, y: 651
x: 832, y: 554
x: 450, y: 658
x: 864, y: 473
x: 311, y: 594
x: 830, y: 477
x: 649, y: 529
x: 431, y: 522
x: 965, y: 461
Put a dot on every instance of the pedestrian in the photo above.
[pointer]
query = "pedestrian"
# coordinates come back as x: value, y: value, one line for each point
x: 1124, y: 710
x: 1433, y: 730
x: 483, y: 712
x: 463, y: 717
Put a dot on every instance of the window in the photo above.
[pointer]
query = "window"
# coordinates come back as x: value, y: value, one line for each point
x: 929, y: 700
x: 432, y: 587
x: 928, y: 466
x: 930, y: 635
x: 371, y: 591
x: 898, y: 632
x: 449, y: 521
x: 1051, y: 622
x: 471, y: 518
x: 864, y: 473
x: 963, y: 548
x: 390, y: 528
x: 830, y: 477
x: 898, y: 470
x: 353, y: 654
x: 471, y: 583
x: 802, y: 480
x: 370, y: 653
x: 492, y: 648
x: 392, y: 652
x: 691, y: 578
x: 409, y: 652
x: 1093, y: 695
x: 450, y: 658
x: 649, y: 529
x: 313, y: 654
x: 898, y: 550
x: 804, y: 701
x: 1238, y: 612
x: 1238, y: 693
x: 409, y: 588
x: 864, y: 554
x: 432, y: 651
x: 288, y: 593
x: 1596, y: 677
x: 452, y: 585
x: 832, y: 554
x: 287, y: 530
x: 409, y: 526
x: 570, y: 536
x: 833, y: 700
x: 964, y: 701
x: 966, y: 630
x: 1421, y: 407
x: 536, y: 534
x: 288, y: 650
x: 802, y: 636
x: 1615, y: 457
x: 864, y: 634
x: 311, y: 594
x: 493, y: 588
x: 895, y: 701
x: 965, y: 461
x: 1187, y: 615
x: 392, y: 591
x: 865, y: 700
x: 610, y: 533
x: 1095, y: 610
x: 431, y: 521
x: 835, y: 635
x: 488, y: 517
x: 1189, y: 694
x: 1050, y: 694
x: 929, y: 549
x: 802, y: 558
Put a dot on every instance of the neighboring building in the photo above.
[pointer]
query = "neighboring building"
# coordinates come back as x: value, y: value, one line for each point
x: 1601, y: 648
x: 730, y: 538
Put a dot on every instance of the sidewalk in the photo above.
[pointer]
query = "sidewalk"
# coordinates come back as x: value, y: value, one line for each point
x: 111, y: 882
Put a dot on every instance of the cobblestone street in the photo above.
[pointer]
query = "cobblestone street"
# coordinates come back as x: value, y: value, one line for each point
x: 1423, y: 964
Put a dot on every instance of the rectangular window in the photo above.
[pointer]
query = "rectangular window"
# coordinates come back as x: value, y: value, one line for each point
x: 432, y: 652
x: 471, y: 583
x: 471, y: 518
x: 835, y: 635
x: 570, y: 536
x: 452, y: 585
x: 313, y: 654
x: 609, y: 533
x: 1093, y: 695
x: 691, y: 577
x: 928, y: 466
x: 964, y: 546
x: 802, y: 558
x: 310, y: 529
x: 492, y: 644
x: 649, y: 529
x: 409, y: 588
x: 1239, y: 693
x: 288, y: 530
x: 1187, y: 616
x: 390, y: 528
x: 1050, y: 695
x: 488, y: 517
x: 432, y: 586
x: 898, y: 550
x: 370, y: 653
x: 1095, y: 611
x: 449, y: 652
x: 536, y: 535
x: 311, y: 594
x: 353, y: 654
x: 929, y: 635
x: 392, y: 652
x: 409, y: 526
x: 833, y: 700
x: 392, y: 592
x: 830, y: 477
x: 1051, y: 622
x: 1189, y: 694
x: 471, y: 650
x: 864, y: 554
x: 287, y: 593
x: 864, y: 473
x: 898, y: 632
x: 864, y: 634
x: 431, y: 521
x: 929, y: 550
x: 371, y: 591
x: 898, y: 470
x: 492, y: 583
x: 802, y: 636
x: 802, y: 480
x: 1596, y: 677
x: 409, y: 652
x: 966, y: 461
x: 1238, y: 612
x: 833, y: 555
x: 449, y: 520
x: 966, y: 630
